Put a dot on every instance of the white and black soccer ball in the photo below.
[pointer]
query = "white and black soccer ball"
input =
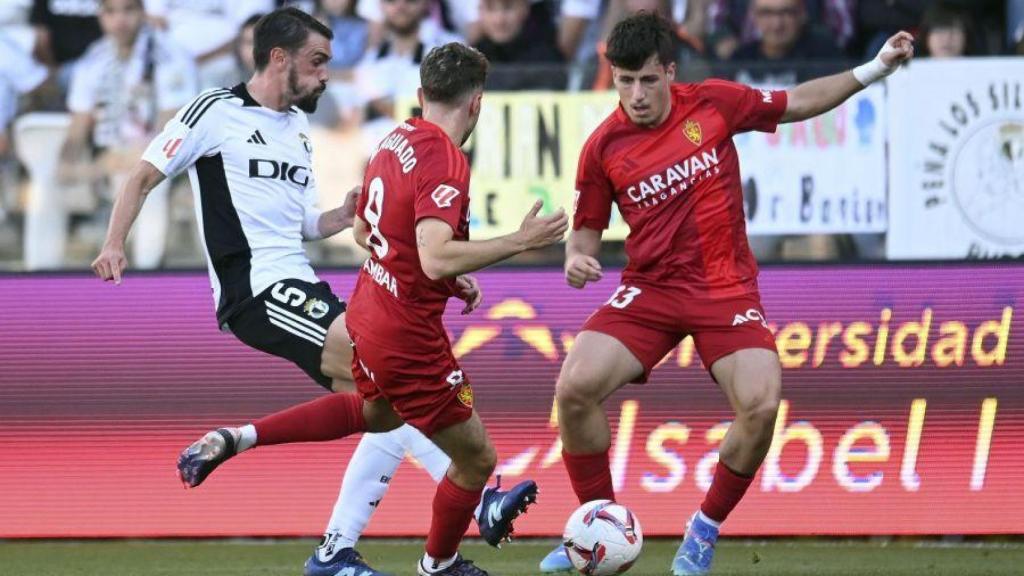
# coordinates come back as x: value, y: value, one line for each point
x: 603, y: 538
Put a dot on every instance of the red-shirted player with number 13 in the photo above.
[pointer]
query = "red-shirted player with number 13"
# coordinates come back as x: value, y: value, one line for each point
x: 666, y: 158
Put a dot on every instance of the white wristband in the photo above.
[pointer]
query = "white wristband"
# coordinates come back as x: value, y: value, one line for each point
x: 874, y: 70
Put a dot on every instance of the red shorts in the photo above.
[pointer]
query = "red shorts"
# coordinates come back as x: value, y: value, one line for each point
x: 651, y: 320
x: 426, y: 388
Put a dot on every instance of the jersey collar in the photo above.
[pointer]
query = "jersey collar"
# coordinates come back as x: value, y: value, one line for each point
x: 240, y: 91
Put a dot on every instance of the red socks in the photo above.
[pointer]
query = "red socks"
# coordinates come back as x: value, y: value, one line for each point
x: 727, y: 489
x: 453, y: 509
x: 590, y: 476
x: 327, y: 418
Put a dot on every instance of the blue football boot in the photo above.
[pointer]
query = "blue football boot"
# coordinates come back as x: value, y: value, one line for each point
x: 461, y: 567
x: 204, y: 455
x: 697, y: 550
x: 556, y: 561
x: 498, y: 509
x: 328, y: 560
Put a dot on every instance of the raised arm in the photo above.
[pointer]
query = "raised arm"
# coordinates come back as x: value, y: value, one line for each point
x: 111, y: 262
x: 441, y: 256
x: 820, y: 95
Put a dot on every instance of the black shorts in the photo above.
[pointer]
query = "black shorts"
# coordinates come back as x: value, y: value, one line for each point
x: 290, y: 320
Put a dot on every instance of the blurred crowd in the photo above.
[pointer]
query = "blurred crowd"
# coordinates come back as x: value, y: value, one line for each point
x: 107, y: 74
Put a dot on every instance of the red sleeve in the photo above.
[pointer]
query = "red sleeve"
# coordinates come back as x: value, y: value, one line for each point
x: 442, y: 185
x: 592, y: 207
x: 746, y: 108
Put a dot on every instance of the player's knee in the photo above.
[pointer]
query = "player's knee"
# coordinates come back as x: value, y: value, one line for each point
x: 477, y: 465
x: 487, y: 461
x: 576, y: 387
x: 761, y: 409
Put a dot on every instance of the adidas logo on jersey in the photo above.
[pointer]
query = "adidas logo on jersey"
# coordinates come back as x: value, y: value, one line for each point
x: 752, y: 315
x: 257, y: 138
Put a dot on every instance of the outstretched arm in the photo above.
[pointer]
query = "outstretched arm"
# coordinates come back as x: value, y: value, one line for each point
x: 820, y: 95
x: 333, y: 221
x: 441, y: 256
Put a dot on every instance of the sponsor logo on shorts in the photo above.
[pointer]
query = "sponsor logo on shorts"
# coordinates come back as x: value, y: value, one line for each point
x: 751, y: 315
x: 315, y: 308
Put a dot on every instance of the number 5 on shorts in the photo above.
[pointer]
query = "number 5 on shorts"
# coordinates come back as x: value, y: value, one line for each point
x: 623, y: 296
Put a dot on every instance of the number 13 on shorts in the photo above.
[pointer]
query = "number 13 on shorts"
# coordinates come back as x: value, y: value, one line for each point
x: 623, y: 296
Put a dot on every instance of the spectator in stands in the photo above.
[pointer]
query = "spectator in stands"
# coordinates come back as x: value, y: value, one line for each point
x: 458, y: 17
x: 207, y: 30
x: 124, y: 88
x: 946, y: 33
x: 63, y: 31
x: 14, y: 25
x: 786, y: 37
x: 392, y: 69
x: 879, y: 19
x: 516, y: 34
x: 731, y: 23
x: 245, y: 61
x: 19, y: 75
x: 351, y: 33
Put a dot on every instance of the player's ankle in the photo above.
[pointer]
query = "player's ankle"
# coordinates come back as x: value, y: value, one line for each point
x: 431, y: 564
x: 245, y: 437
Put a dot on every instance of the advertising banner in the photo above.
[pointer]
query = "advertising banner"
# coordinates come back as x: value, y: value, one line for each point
x: 902, y: 412
x: 957, y: 159
x: 825, y: 175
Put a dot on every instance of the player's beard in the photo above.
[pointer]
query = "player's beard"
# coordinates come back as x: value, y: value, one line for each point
x: 307, y: 103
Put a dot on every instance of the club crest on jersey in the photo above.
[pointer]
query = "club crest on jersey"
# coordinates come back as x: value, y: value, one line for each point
x: 306, y: 143
x: 466, y: 395
x: 315, y: 309
x: 443, y: 195
x: 691, y: 129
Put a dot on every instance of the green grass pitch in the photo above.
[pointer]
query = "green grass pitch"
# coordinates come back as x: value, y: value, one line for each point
x: 285, y: 557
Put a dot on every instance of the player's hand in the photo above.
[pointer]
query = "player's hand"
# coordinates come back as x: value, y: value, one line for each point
x: 898, y: 49
x: 469, y: 290
x: 110, y: 264
x: 540, y: 231
x: 348, y: 207
x: 580, y: 269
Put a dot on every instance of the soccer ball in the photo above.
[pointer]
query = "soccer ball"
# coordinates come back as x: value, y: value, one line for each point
x: 602, y: 538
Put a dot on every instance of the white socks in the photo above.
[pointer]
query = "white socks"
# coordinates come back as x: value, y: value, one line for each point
x: 703, y: 518
x: 431, y: 564
x: 246, y: 439
x: 366, y: 480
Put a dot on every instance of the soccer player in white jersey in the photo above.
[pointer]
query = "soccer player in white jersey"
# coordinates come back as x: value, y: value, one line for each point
x: 248, y: 157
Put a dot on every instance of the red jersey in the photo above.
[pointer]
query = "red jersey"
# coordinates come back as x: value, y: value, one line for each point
x: 416, y: 172
x: 678, y: 188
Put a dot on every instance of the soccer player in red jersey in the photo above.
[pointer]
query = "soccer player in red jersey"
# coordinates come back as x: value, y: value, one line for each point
x: 413, y: 217
x: 666, y: 158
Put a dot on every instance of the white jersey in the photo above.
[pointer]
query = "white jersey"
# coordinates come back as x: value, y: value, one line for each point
x: 254, y: 192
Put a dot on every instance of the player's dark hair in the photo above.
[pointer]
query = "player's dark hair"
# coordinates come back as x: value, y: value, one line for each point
x: 451, y: 71
x: 637, y: 38
x: 286, y: 28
